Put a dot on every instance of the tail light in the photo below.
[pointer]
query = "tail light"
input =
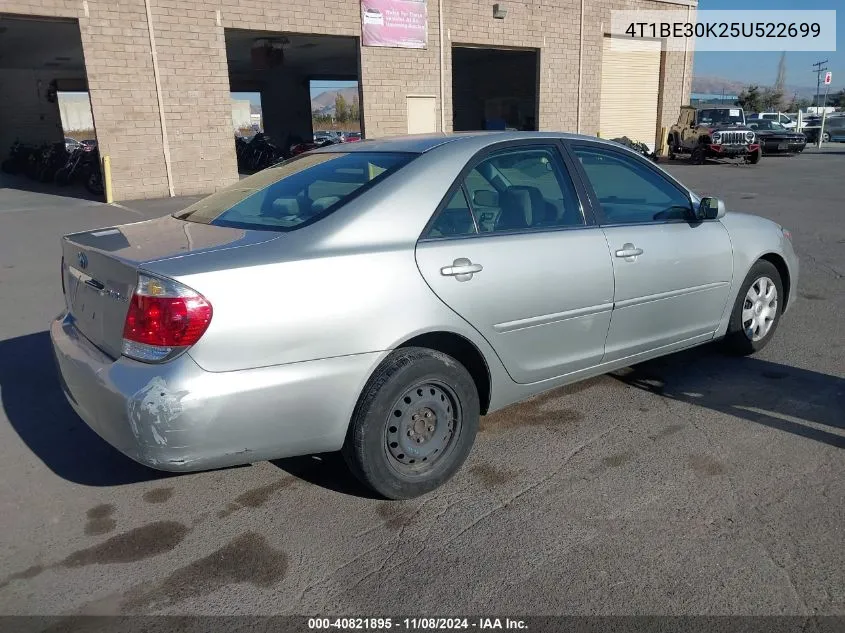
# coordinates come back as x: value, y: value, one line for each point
x: 164, y: 319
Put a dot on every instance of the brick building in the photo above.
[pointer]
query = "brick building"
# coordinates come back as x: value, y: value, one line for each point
x: 160, y: 72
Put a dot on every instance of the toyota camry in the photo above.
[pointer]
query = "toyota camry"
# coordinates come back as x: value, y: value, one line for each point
x: 377, y: 298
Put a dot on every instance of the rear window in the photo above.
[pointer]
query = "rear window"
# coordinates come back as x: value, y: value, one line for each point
x: 295, y: 193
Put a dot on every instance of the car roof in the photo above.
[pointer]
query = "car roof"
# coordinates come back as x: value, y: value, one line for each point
x: 421, y: 143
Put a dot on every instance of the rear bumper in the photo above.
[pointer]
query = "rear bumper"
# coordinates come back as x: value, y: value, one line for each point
x: 790, y: 147
x: 179, y: 417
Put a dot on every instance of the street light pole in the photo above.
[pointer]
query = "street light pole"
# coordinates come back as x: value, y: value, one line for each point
x: 818, y: 72
x: 824, y: 115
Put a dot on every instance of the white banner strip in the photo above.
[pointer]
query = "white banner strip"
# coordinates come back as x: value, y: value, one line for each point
x: 747, y: 30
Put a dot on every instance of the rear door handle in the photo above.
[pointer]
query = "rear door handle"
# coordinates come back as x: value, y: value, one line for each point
x: 461, y: 269
x: 629, y: 252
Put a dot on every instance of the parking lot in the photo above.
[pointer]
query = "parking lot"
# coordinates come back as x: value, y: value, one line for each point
x: 693, y: 484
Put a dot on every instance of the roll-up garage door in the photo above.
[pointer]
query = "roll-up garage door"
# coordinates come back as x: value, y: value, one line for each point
x: 630, y: 82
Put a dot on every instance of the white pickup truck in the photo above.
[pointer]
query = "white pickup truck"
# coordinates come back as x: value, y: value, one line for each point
x: 779, y: 117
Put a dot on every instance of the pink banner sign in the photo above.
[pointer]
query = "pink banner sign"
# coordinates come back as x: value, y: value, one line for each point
x: 394, y: 23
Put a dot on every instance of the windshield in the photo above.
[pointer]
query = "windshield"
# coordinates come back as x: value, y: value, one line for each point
x: 725, y: 116
x: 296, y: 192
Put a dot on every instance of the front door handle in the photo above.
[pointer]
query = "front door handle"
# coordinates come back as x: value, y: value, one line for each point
x: 629, y: 252
x: 461, y: 269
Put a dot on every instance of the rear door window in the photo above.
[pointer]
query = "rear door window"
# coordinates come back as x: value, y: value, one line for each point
x: 297, y: 192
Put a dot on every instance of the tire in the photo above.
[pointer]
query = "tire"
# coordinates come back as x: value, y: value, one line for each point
x: 737, y: 341
x: 94, y: 183
x: 671, y: 148
x: 826, y: 137
x: 413, y: 395
x: 755, y: 156
x: 697, y: 156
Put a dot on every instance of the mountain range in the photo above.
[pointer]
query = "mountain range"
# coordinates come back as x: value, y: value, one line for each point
x: 324, y: 102
x: 716, y: 85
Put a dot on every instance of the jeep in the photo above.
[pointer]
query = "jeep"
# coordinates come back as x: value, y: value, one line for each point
x: 713, y: 132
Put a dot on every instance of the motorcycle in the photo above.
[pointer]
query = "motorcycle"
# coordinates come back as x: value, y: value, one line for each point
x: 18, y: 158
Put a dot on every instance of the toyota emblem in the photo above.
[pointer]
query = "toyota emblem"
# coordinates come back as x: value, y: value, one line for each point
x: 83, y: 260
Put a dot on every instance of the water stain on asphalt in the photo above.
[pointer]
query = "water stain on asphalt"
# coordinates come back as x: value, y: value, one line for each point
x: 100, y: 520
x: 158, y: 495
x: 669, y: 430
x: 256, y: 497
x: 138, y: 544
x: 812, y: 296
x: 619, y: 459
x: 531, y: 413
x: 247, y: 559
x: 706, y: 465
x: 774, y: 375
x: 26, y: 574
x: 490, y: 476
x: 395, y: 515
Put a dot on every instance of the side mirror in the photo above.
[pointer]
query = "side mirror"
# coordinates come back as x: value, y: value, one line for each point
x: 710, y: 209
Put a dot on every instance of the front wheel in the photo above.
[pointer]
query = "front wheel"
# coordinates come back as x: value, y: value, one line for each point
x: 414, y: 424
x: 757, y: 310
x: 755, y: 156
x: 826, y: 137
x: 697, y: 156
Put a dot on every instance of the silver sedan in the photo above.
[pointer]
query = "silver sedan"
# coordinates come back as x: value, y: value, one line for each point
x: 377, y: 299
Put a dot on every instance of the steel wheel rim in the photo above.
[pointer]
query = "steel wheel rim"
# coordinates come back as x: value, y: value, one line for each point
x: 422, y: 427
x: 759, y: 309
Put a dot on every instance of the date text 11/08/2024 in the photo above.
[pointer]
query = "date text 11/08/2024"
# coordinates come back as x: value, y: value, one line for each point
x: 415, y: 624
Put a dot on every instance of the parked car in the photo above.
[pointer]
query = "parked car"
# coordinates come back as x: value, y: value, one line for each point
x: 776, y: 139
x: 352, y: 137
x: 377, y: 300
x: 713, y: 133
x: 776, y: 117
x: 834, y: 130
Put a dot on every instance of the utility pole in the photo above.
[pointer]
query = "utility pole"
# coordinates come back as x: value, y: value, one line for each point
x: 819, y: 70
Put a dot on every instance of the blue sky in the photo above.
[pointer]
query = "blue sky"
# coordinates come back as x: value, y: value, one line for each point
x: 317, y: 87
x: 761, y: 67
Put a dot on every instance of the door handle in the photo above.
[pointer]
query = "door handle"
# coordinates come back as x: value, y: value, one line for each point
x: 461, y: 269
x: 629, y: 252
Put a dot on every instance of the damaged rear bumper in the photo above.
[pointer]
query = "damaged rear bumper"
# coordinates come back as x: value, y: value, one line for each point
x: 178, y: 417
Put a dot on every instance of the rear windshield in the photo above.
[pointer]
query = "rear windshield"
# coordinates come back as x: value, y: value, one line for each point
x: 297, y: 192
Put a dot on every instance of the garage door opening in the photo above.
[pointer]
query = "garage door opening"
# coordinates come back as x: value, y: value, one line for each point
x: 301, y: 84
x: 494, y: 89
x: 47, y: 131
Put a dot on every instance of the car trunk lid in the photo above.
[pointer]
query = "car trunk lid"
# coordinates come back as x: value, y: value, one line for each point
x: 101, y: 268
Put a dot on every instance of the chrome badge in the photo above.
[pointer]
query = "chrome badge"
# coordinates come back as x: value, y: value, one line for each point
x: 82, y: 260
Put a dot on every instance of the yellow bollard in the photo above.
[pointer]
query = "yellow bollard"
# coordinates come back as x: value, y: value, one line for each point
x: 107, y: 179
x: 664, y: 137
x: 598, y: 134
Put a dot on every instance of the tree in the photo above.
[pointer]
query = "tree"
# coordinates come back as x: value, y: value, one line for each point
x: 340, y: 108
x: 837, y: 99
x: 771, y: 99
x: 750, y: 99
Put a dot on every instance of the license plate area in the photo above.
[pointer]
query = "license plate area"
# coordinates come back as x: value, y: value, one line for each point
x: 783, y: 145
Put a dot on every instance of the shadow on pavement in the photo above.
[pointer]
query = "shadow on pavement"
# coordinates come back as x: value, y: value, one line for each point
x: 36, y: 408
x: 22, y: 183
x: 327, y: 470
x: 781, y: 397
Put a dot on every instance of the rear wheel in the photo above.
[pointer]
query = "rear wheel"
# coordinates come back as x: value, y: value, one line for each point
x: 757, y: 310
x: 826, y: 137
x: 414, y: 424
x: 755, y: 156
x: 672, y: 146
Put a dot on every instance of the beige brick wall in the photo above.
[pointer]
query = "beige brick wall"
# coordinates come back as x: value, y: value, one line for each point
x: 195, y: 85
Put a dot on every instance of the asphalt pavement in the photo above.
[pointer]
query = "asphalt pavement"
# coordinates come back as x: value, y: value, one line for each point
x: 693, y: 484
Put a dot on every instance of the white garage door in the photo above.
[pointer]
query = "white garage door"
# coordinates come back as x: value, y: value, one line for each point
x: 630, y: 81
